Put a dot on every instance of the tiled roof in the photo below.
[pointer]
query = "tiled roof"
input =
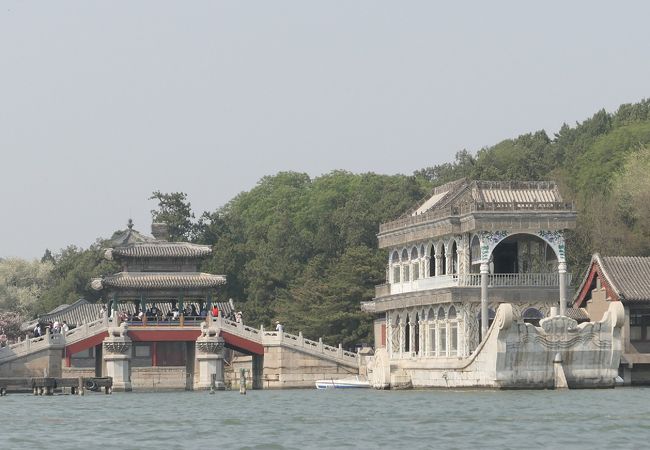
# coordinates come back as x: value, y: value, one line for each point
x: 157, y: 249
x: 577, y: 313
x: 128, y: 237
x: 79, y: 312
x: 82, y: 311
x: 161, y: 280
x: 520, y: 192
x: 524, y: 194
x: 629, y: 276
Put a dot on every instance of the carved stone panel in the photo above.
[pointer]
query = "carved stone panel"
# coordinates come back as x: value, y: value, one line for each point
x: 117, y: 347
x: 210, y: 347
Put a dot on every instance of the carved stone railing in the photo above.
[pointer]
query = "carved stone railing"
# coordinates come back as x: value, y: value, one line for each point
x: 473, y: 280
x: 317, y: 348
x: 238, y: 329
x: 87, y: 330
x: 32, y: 345
x: 261, y: 336
x: 550, y: 279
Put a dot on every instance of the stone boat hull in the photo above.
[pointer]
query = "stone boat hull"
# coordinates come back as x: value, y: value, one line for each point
x: 516, y: 355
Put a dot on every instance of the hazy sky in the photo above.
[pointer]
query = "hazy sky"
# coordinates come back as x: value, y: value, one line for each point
x: 102, y: 103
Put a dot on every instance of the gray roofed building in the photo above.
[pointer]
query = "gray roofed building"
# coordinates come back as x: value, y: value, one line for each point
x: 624, y: 279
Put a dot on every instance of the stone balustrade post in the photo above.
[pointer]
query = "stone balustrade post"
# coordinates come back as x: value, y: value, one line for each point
x: 320, y: 345
x: 210, y: 356
x: 340, y: 351
x: 117, y: 356
x: 485, y: 319
x: 389, y: 337
x: 421, y: 337
x: 562, y: 274
x: 301, y: 339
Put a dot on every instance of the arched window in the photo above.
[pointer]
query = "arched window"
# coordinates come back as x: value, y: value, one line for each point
x: 443, y: 260
x: 395, y: 337
x: 405, y: 266
x: 454, y: 258
x: 475, y: 254
x: 432, y: 261
x: 442, y: 332
x: 416, y: 263
x: 407, y: 334
x: 416, y: 334
x: 431, y: 340
x: 532, y: 316
x: 452, y: 328
x: 396, y: 267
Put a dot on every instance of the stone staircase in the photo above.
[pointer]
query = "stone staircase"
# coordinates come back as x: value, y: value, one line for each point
x: 48, y: 340
x: 295, y: 342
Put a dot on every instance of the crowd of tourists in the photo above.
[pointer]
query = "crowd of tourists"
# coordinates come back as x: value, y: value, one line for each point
x: 156, y: 314
x: 55, y: 327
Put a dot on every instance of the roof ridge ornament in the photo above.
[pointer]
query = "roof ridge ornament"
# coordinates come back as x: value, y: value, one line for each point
x: 129, y: 224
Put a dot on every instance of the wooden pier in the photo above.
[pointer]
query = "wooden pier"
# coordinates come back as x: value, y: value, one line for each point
x: 47, y: 385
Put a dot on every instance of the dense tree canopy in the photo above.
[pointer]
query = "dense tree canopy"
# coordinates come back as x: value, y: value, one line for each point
x: 304, y: 251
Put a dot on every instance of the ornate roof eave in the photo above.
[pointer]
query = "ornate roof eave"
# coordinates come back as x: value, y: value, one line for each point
x: 158, y: 281
x: 159, y: 249
x: 596, y: 266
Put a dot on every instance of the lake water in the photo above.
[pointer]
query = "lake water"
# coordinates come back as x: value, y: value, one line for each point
x: 304, y: 419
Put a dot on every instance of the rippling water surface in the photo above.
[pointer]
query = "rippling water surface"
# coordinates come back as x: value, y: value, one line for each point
x: 618, y: 418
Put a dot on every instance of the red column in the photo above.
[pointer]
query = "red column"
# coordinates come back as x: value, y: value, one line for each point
x: 154, y: 354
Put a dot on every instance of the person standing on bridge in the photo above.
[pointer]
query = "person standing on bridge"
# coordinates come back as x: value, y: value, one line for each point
x: 278, y: 327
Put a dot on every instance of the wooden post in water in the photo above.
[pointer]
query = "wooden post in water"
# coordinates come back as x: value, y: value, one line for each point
x: 80, y: 386
x: 213, y: 379
x: 242, y: 381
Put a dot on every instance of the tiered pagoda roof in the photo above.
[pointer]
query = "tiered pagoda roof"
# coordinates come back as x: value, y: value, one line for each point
x: 152, y: 264
x: 131, y: 243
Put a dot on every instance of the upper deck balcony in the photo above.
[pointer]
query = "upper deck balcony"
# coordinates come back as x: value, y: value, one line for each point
x: 472, y: 280
x: 468, y: 206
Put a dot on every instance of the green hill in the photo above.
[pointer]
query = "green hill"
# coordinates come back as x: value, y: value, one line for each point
x: 303, y: 250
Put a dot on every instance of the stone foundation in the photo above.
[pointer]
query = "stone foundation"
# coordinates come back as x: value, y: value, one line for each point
x: 290, y: 368
x: 516, y: 355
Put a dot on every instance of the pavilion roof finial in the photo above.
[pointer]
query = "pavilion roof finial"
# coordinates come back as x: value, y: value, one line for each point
x: 130, y: 224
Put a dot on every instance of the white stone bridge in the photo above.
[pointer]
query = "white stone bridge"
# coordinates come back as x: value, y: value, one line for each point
x: 280, y: 360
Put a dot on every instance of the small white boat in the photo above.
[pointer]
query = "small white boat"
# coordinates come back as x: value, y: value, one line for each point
x: 343, y: 383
